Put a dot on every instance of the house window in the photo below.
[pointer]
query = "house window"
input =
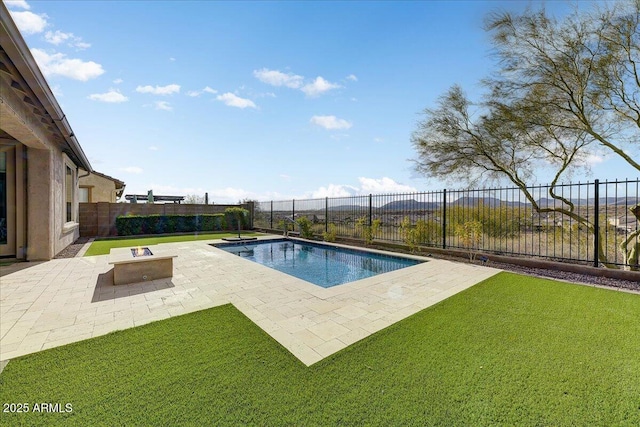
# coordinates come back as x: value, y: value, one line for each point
x: 84, y: 195
x: 68, y: 184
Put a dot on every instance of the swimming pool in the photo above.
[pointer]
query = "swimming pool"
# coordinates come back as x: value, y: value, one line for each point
x: 322, y: 265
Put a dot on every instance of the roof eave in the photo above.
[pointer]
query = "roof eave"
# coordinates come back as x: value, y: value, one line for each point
x: 16, y: 48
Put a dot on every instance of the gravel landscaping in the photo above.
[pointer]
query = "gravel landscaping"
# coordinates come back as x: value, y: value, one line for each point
x: 72, y: 250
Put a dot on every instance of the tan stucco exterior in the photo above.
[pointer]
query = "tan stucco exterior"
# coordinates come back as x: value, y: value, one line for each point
x: 101, y: 188
x: 43, y: 158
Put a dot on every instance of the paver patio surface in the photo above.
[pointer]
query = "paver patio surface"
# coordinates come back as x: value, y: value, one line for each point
x: 66, y: 300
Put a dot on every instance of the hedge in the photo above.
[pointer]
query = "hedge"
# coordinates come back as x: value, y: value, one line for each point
x: 160, y: 224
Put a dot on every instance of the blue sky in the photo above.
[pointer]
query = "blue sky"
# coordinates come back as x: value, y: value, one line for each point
x: 261, y: 100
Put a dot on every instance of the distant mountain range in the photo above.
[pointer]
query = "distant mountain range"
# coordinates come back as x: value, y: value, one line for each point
x: 409, y: 205
x: 492, y: 202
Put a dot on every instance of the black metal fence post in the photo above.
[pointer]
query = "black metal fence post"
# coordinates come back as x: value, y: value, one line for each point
x: 596, y: 223
x: 326, y: 214
x: 370, y: 210
x: 271, y: 216
x: 444, y: 219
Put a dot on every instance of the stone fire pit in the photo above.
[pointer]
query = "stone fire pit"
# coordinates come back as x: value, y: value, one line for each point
x: 134, y: 265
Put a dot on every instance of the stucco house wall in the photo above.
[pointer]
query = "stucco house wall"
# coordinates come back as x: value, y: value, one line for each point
x: 101, y: 188
x: 44, y: 159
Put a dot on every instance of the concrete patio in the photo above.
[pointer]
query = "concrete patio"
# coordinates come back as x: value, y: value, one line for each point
x: 67, y: 300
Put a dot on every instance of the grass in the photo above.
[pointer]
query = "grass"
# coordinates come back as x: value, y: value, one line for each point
x: 102, y: 247
x: 512, y: 350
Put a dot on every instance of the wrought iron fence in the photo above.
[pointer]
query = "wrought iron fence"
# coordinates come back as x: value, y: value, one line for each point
x: 590, y: 223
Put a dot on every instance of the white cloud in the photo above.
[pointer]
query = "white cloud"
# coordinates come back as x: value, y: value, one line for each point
x: 378, y: 139
x: 330, y: 122
x: 593, y: 159
x: 278, y: 78
x: 172, y: 59
x: 159, y: 90
x: 367, y: 186
x: 194, y: 93
x: 57, y: 91
x: 29, y: 22
x: 117, y: 81
x: 235, y: 101
x: 352, y: 77
x: 20, y: 4
x: 57, y: 64
x: 132, y: 169
x: 383, y: 185
x: 80, y: 45
x: 231, y: 194
x: 285, y: 176
x: 58, y: 37
x: 318, y: 87
x: 113, y: 96
x: 163, y: 105
x: 334, y: 191
x: 153, y: 148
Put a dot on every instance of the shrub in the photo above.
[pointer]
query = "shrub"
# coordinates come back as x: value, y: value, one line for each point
x: 422, y: 233
x: 470, y: 234
x: 159, y: 224
x: 283, y: 225
x: 306, y: 227
x: 368, y: 232
x: 235, y: 214
x: 409, y: 235
x: 332, y: 234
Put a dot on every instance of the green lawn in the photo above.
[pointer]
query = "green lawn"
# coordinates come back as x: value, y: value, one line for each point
x: 102, y: 247
x: 512, y: 350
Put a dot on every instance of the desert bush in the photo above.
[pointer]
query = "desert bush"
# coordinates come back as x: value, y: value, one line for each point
x: 331, y: 234
x: 306, y: 227
x: 470, y: 234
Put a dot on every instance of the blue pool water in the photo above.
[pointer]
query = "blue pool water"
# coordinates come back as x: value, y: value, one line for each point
x: 321, y: 265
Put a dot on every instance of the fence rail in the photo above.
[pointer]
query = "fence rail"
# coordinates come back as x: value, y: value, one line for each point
x: 589, y: 223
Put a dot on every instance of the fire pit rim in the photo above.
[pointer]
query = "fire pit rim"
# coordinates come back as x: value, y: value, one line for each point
x: 136, y: 252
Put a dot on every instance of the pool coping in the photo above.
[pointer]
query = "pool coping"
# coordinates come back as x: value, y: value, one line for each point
x: 352, y: 249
